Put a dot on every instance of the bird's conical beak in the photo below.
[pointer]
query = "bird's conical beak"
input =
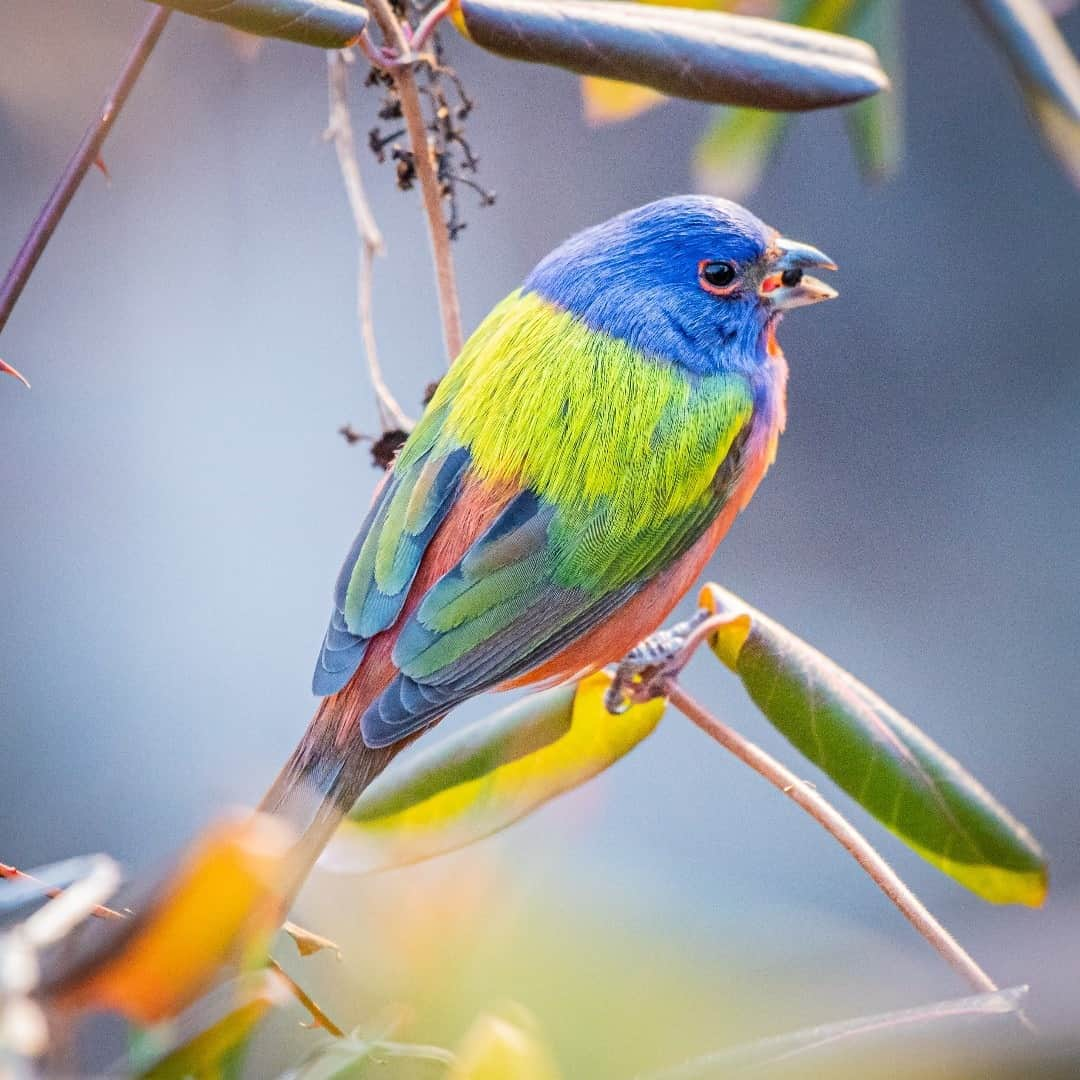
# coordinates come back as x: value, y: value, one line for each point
x: 785, y: 285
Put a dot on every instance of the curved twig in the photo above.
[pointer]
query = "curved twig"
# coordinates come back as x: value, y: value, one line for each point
x: 85, y: 155
x: 339, y: 131
x: 830, y: 819
x: 431, y: 190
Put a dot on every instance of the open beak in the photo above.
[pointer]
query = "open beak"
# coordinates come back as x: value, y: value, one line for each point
x: 786, y: 286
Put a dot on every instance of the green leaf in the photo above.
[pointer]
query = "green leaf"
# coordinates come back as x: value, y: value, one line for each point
x: 489, y: 775
x: 326, y: 24
x: 731, y: 157
x: 879, y: 758
x: 217, y: 1049
x: 1045, y: 68
x: 866, y: 1032
x: 702, y: 55
x: 876, y: 126
x: 355, y: 1058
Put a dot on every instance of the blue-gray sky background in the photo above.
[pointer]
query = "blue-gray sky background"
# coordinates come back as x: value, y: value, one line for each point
x: 175, y: 501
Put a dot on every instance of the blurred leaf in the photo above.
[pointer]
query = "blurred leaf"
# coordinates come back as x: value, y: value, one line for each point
x: 1046, y: 69
x: 702, y: 55
x: 307, y: 942
x: 326, y: 24
x: 876, y: 125
x: 731, y: 156
x: 608, y: 101
x: 879, y: 757
x: 220, y: 906
x: 905, y: 1023
x: 500, y: 1047
x: 214, y: 1049
x: 355, y: 1058
x: 488, y: 775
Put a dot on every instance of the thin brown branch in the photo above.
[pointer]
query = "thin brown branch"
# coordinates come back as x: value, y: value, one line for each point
x: 339, y: 131
x: 429, y: 24
x: 317, y: 1015
x: 830, y: 819
x: 85, y: 155
x: 13, y: 873
x: 413, y: 114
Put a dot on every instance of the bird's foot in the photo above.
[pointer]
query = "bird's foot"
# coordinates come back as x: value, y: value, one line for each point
x: 642, y: 673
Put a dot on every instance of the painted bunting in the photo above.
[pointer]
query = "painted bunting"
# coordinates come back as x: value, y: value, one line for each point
x: 568, y: 481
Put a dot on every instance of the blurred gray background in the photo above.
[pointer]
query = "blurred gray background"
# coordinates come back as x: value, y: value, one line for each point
x: 175, y: 500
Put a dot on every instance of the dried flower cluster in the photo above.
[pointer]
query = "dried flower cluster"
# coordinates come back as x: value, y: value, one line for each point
x: 449, y: 106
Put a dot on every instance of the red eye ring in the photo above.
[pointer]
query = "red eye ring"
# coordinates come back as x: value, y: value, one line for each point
x: 718, y: 276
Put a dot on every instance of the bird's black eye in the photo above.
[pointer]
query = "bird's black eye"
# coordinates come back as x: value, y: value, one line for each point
x: 718, y: 274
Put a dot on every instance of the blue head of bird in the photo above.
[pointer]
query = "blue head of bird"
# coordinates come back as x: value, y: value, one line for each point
x: 690, y: 280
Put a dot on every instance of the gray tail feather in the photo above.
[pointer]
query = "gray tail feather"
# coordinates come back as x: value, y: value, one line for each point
x: 319, y: 784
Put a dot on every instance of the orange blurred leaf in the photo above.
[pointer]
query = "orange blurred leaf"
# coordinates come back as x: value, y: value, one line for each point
x: 219, y: 907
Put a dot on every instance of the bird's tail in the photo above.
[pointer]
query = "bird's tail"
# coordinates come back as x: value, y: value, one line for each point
x: 325, y: 775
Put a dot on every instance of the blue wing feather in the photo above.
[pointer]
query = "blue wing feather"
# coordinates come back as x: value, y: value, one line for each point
x: 400, y: 528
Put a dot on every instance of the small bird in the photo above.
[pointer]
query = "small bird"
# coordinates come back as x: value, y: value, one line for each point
x: 573, y: 473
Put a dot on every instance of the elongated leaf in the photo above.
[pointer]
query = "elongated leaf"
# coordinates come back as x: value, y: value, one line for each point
x: 1046, y: 69
x: 222, y: 903
x: 219, y: 1042
x: 326, y: 24
x: 489, y: 775
x: 879, y: 758
x: 609, y: 101
x: 731, y: 156
x: 702, y: 55
x: 799, y: 1045
x: 876, y: 126
x: 357, y: 1058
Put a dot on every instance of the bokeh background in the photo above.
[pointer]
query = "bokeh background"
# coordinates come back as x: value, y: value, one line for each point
x: 175, y: 501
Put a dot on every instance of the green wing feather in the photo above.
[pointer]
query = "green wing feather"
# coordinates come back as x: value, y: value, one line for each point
x: 622, y: 463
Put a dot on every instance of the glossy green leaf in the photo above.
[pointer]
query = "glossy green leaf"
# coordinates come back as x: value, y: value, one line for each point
x: 701, y: 55
x: 489, y: 775
x: 609, y: 101
x: 879, y: 758
x: 326, y: 24
x: 1046, y: 69
x: 876, y: 125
